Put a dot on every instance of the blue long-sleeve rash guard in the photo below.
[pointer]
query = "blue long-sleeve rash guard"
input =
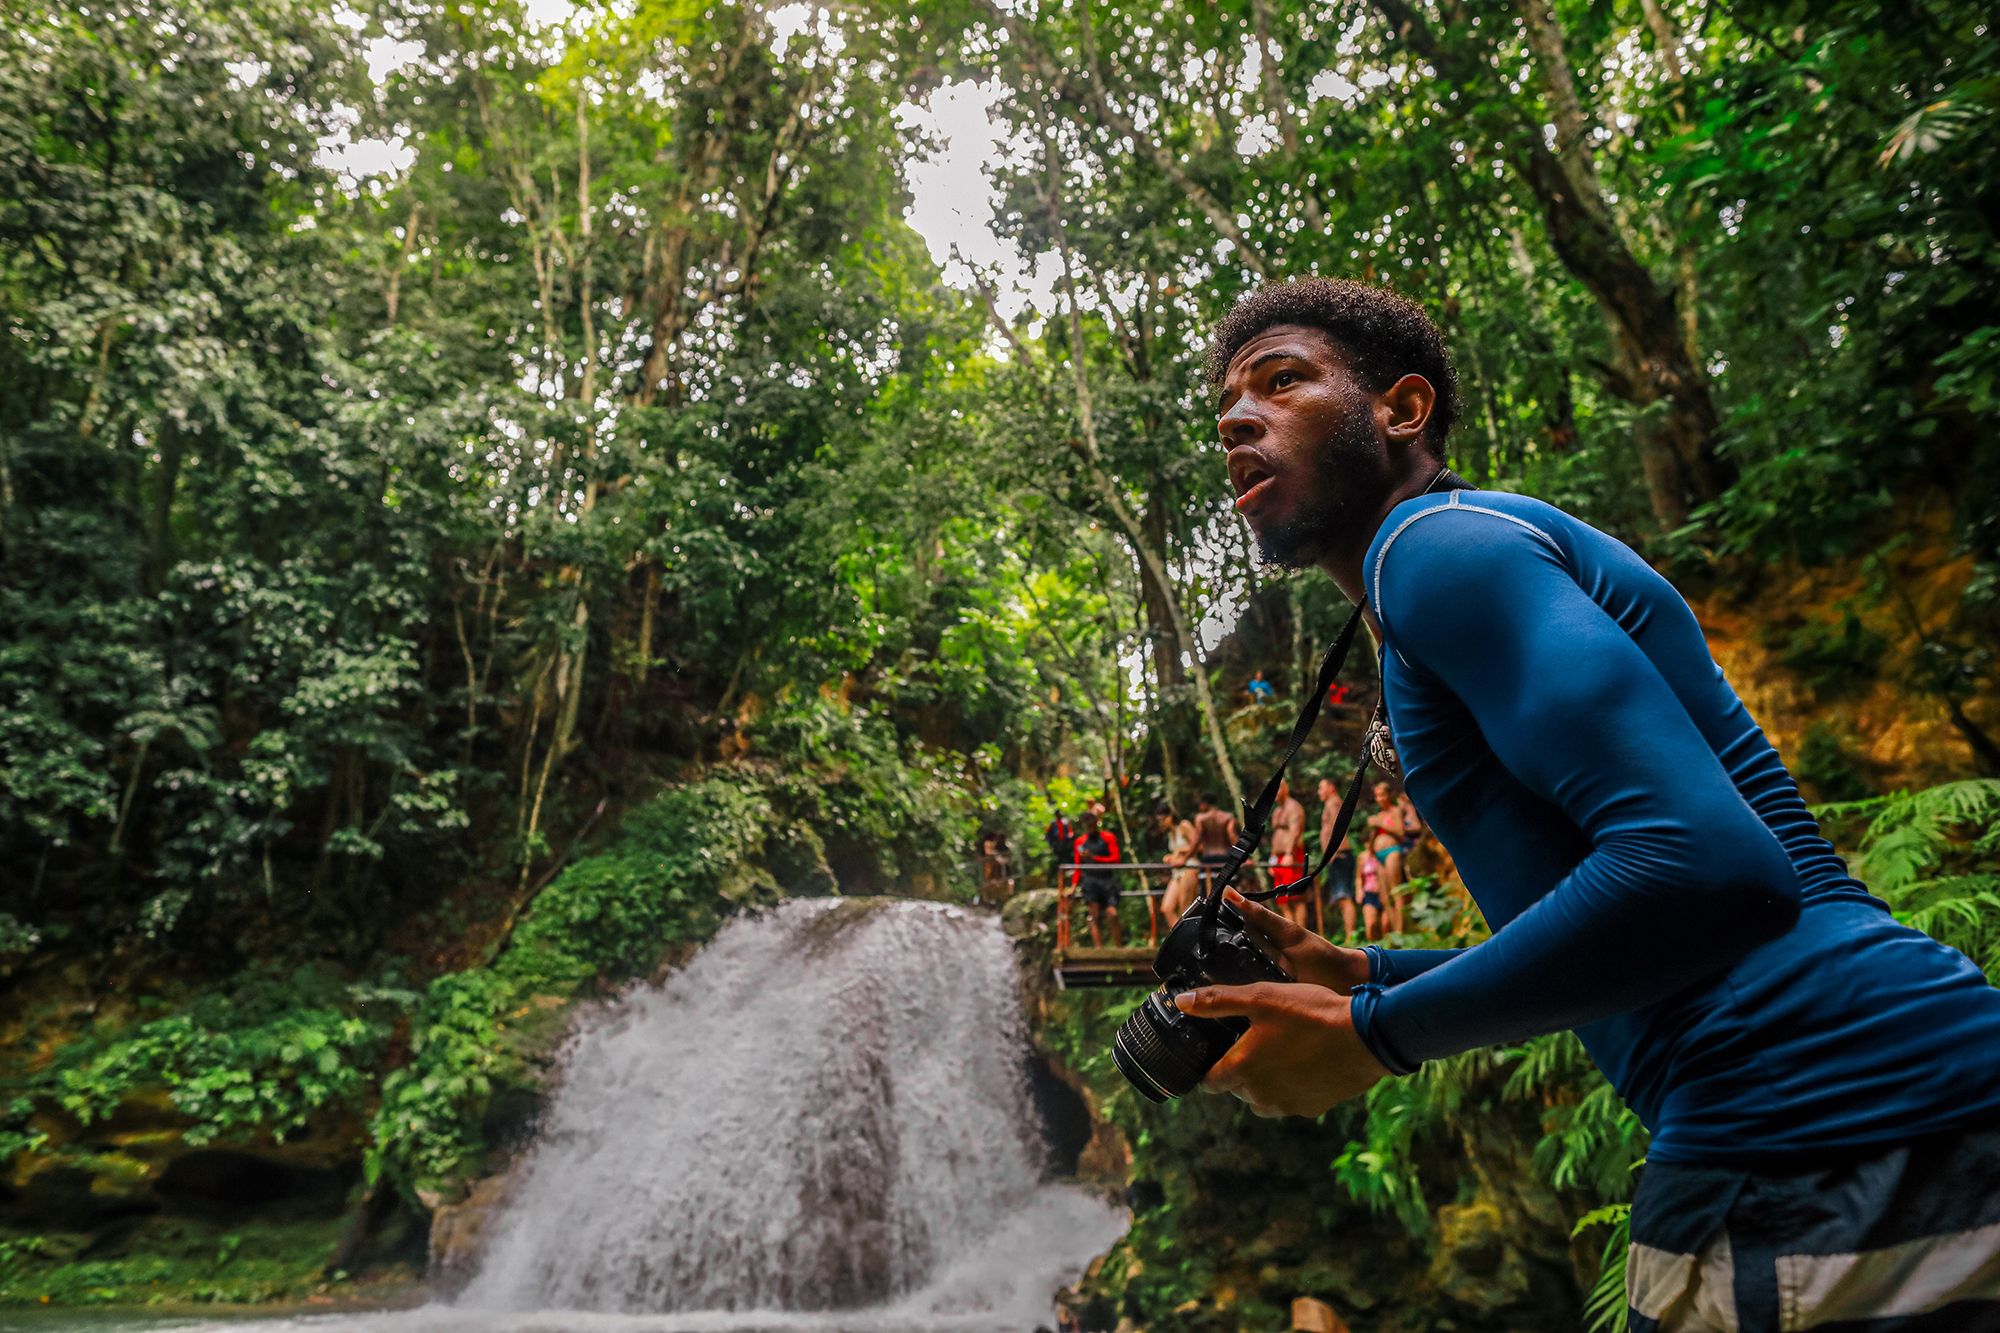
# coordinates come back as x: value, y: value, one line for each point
x: 1650, y: 873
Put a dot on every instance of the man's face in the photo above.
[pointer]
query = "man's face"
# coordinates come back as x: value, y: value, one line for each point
x: 1326, y: 789
x: 1306, y: 457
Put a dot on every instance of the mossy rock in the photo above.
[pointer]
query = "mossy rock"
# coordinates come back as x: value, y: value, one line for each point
x: 1029, y: 914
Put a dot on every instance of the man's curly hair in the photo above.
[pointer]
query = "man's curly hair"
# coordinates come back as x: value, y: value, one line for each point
x: 1385, y: 336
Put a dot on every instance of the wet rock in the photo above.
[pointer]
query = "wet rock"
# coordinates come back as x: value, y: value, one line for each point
x: 1474, y: 1263
x: 137, y: 1161
x: 76, y: 1191
x: 1028, y: 914
x: 459, y: 1232
x: 1287, y: 1238
x: 1066, y: 1122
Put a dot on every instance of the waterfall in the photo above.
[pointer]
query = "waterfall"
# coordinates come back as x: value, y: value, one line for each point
x: 823, y: 1111
x: 822, y: 1123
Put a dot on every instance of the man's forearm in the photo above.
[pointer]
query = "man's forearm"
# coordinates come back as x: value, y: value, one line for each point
x: 1388, y: 967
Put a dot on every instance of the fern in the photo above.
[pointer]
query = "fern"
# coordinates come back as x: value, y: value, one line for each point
x: 1605, y: 1308
x: 1380, y: 1171
x: 1934, y: 857
x: 1592, y: 1144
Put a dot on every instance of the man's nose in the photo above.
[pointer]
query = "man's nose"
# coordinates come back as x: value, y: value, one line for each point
x: 1239, y: 425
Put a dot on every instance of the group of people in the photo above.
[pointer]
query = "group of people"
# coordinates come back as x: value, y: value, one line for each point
x: 1373, y: 887
x: 1370, y: 890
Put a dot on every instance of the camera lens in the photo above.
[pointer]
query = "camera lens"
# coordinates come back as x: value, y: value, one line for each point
x: 1163, y: 1052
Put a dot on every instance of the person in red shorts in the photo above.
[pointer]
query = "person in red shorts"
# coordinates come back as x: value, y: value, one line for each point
x: 1288, y: 855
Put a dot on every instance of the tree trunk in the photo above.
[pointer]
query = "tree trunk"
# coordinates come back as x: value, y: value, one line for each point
x: 1107, y: 489
x: 1654, y: 362
x: 1985, y: 751
x: 378, y: 1201
x: 1092, y: 91
x: 1280, y: 106
x: 1158, y: 600
x: 1653, y: 370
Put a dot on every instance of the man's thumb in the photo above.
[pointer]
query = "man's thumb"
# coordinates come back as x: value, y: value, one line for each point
x: 1252, y: 1001
x: 1276, y: 926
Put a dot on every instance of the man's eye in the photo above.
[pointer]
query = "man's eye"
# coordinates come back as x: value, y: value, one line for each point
x: 1284, y: 377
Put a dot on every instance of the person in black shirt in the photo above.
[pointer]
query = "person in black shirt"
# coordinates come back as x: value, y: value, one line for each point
x: 1060, y: 835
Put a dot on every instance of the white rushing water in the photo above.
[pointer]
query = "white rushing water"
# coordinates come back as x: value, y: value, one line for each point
x: 823, y: 1123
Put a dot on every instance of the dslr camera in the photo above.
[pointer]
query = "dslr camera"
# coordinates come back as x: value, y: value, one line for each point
x: 1164, y: 1052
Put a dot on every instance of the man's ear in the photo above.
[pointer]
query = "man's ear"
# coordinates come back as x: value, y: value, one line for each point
x: 1407, y: 405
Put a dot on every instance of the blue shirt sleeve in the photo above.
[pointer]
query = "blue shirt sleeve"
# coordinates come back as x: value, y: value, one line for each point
x: 1389, y: 967
x: 1682, y: 878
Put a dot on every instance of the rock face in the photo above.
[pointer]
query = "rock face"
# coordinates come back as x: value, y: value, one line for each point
x: 459, y: 1232
x: 1831, y: 668
x: 138, y: 1162
x: 1101, y: 1156
x: 1507, y: 1246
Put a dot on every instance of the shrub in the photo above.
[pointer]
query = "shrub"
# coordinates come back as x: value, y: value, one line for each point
x: 267, y: 1056
x: 672, y: 869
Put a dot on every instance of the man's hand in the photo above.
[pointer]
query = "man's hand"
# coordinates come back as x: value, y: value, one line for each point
x: 1301, y: 1054
x: 1308, y: 957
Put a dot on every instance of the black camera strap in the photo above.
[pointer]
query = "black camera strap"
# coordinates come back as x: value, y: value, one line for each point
x: 1257, y: 817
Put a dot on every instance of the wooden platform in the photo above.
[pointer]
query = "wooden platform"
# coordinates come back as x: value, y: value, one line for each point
x: 1077, y: 968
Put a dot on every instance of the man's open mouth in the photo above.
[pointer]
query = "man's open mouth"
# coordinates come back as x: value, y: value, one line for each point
x: 1248, y: 477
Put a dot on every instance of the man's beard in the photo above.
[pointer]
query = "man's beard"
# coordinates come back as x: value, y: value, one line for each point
x: 1344, y: 479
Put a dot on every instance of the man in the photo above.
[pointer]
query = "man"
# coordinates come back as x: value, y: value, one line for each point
x: 1288, y: 854
x: 1060, y: 835
x: 1214, y: 834
x: 1096, y: 845
x: 1822, y: 1084
x: 1341, y: 882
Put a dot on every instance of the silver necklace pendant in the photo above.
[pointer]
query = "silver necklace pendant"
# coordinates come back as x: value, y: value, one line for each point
x: 1381, y: 746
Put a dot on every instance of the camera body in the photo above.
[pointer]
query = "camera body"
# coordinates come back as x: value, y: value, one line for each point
x: 1163, y: 1052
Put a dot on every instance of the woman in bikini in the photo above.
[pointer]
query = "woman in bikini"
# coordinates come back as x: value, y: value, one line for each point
x: 1392, y: 835
x: 1181, y: 883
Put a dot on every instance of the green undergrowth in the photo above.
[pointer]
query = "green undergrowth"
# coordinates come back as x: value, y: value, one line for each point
x: 1497, y: 1176
x: 170, y: 1261
x: 262, y: 1059
x: 411, y: 1080
x: 1467, y: 1177
x: 677, y: 866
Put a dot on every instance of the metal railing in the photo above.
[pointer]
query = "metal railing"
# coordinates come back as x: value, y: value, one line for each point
x: 1066, y: 892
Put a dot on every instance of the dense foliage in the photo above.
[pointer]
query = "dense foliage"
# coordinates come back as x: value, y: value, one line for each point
x: 433, y: 594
